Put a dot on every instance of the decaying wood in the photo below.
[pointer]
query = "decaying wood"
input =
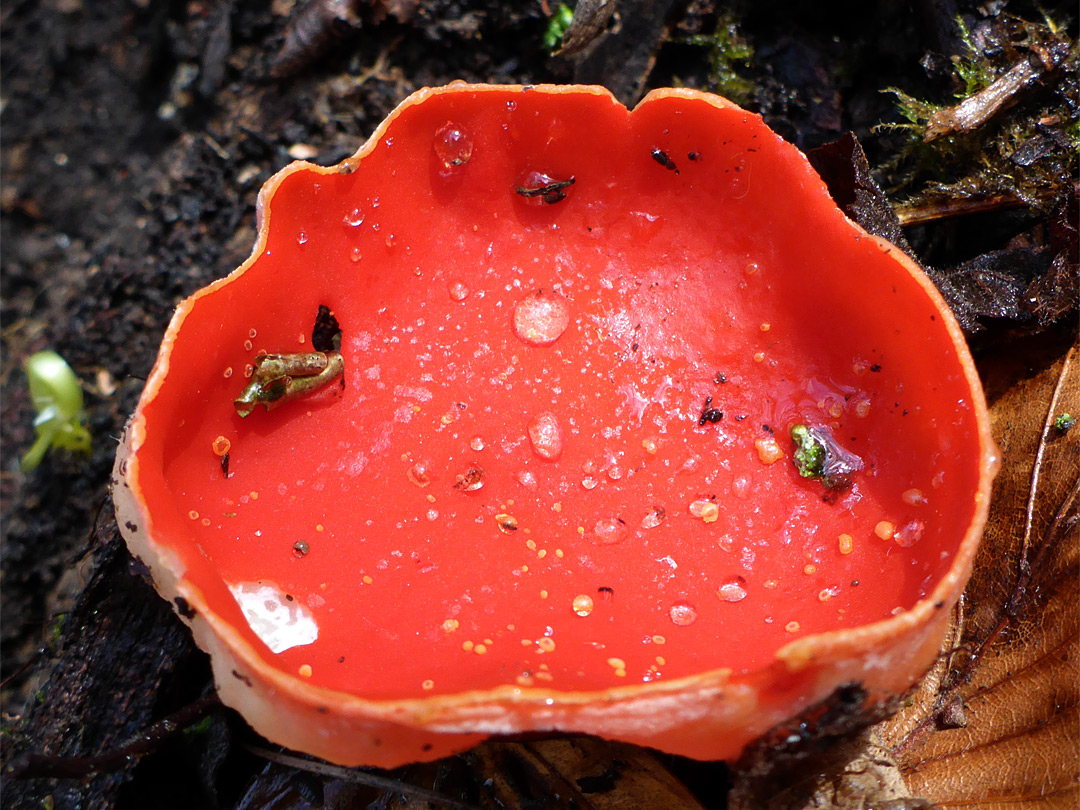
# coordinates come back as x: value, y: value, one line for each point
x: 622, y: 59
x: 590, y: 19
x: 1003, y: 92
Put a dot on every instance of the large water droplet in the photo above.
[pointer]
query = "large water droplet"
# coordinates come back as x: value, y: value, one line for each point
x: 733, y: 590
x: 609, y: 531
x: 683, y: 614
x: 301, y: 238
x: 546, y: 435
x: 541, y: 318
x: 453, y: 145
x: 354, y: 218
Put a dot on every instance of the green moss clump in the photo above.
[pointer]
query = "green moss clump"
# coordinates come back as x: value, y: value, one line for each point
x: 727, y: 51
x: 1026, y: 150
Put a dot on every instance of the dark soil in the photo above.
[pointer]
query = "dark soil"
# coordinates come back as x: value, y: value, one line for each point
x: 136, y: 135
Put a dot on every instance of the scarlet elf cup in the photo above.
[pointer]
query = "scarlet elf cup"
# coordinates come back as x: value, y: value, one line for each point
x: 613, y: 423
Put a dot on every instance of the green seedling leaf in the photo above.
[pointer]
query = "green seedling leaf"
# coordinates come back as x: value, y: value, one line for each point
x: 58, y: 400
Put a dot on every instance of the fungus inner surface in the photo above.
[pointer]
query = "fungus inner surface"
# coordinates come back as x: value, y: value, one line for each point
x: 561, y: 456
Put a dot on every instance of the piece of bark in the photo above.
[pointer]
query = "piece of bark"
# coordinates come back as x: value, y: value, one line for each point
x: 590, y: 19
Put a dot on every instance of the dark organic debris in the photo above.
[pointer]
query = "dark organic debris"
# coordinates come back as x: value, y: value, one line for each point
x: 819, y: 456
x: 664, y: 159
x: 787, y: 746
x: 314, y: 28
x: 709, y: 414
x: 993, y: 286
x: 395, y: 787
x: 843, y: 166
x: 326, y: 334
x: 550, y: 192
x: 146, y: 741
x: 1029, y: 285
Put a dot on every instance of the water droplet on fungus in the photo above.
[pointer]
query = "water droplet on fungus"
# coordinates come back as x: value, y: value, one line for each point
x: 420, y: 473
x: 609, y: 531
x: 541, y: 318
x: 546, y: 436
x: 733, y: 590
x: 914, y: 497
x: 583, y: 604
x: 683, y: 614
x: 453, y: 145
x: 768, y: 450
x: 884, y: 529
x: 653, y: 518
x: 909, y: 534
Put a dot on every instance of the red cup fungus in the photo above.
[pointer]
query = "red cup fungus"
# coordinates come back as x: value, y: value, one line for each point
x: 629, y: 431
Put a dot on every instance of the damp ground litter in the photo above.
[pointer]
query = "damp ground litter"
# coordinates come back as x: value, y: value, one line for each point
x: 136, y: 136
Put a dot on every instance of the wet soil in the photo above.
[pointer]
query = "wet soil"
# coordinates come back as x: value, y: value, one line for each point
x: 136, y: 135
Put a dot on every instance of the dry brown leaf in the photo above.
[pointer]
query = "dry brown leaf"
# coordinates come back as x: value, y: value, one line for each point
x: 997, y: 722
